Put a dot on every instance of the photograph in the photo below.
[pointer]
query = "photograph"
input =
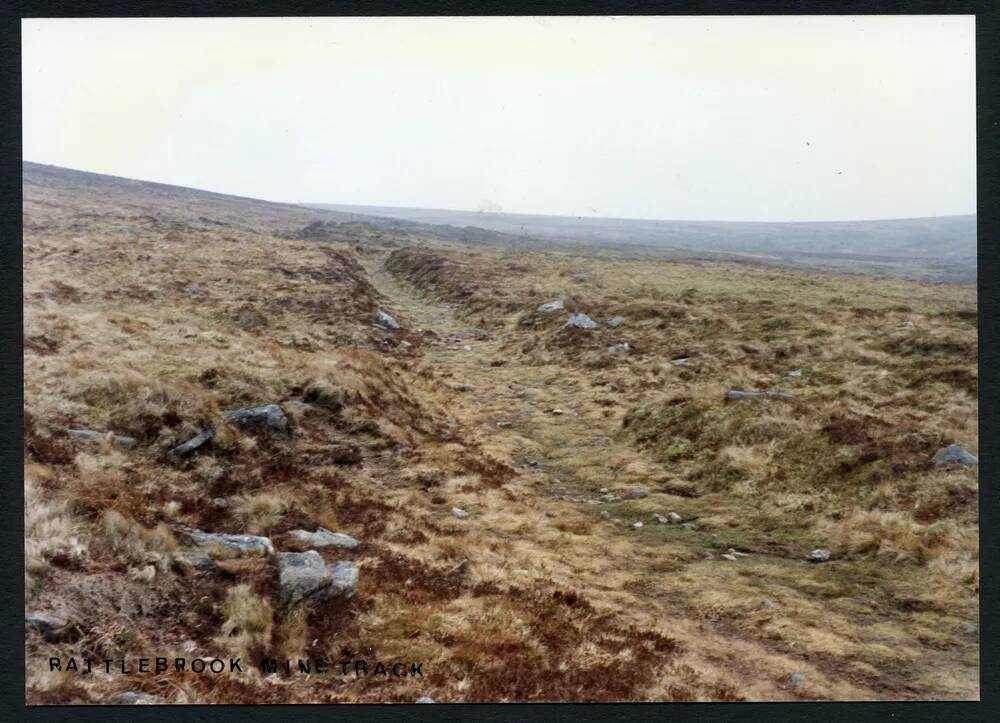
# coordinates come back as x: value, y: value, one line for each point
x: 499, y: 359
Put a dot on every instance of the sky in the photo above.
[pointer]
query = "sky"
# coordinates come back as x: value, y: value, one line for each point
x: 696, y: 118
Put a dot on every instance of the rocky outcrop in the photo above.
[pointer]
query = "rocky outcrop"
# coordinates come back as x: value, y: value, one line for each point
x: 236, y: 544
x: 269, y: 416
x: 324, y: 538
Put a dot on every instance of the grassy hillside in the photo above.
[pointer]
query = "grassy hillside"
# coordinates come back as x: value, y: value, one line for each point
x: 504, y: 476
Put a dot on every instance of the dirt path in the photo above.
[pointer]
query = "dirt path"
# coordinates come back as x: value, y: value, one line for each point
x: 660, y: 575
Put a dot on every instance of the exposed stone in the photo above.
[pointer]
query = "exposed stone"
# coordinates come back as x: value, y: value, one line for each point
x: 637, y: 525
x: 268, y: 416
x: 969, y: 628
x: 425, y: 699
x: 239, y: 544
x: 580, y: 321
x: 616, y: 322
x: 52, y: 628
x: 89, y: 435
x: 796, y: 679
x: 794, y: 373
x: 682, y: 362
x: 673, y: 518
x: 324, y: 538
x: 459, y: 513
x: 196, y: 559
x: 623, y: 346
x: 955, y: 454
x: 551, y: 306
x: 732, y: 394
x: 305, y: 576
x: 387, y: 321
x: 183, y: 450
x: 727, y: 556
x: 819, y: 555
x: 604, y: 515
x: 131, y: 697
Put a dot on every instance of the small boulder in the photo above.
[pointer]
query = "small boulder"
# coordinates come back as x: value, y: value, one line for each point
x: 673, y: 518
x: 386, y: 320
x: 728, y: 556
x: 131, y: 697
x: 52, y: 628
x: 192, y: 445
x: 551, y: 306
x: 819, y: 555
x: 623, y: 346
x: 955, y: 454
x: 425, y: 699
x: 616, y: 322
x: 268, y: 416
x: 459, y: 513
x: 324, y: 538
x: 580, y: 321
x: 796, y: 679
x: 238, y: 544
x: 637, y: 525
x: 305, y: 576
x: 604, y: 515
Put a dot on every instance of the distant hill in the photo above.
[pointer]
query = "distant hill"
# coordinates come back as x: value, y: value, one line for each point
x: 950, y: 240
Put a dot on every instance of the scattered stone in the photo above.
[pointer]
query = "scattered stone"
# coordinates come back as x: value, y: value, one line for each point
x: 194, y: 291
x: 660, y: 518
x: 604, y: 515
x: 405, y: 344
x: 196, y: 559
x: 89, y: 435
x: 503, y: 424
x: 131, y: 697
x: 906, y: 323
x: 603, y: 490
x: 187, y: 448
x: 616, y: 322
x: 635, y: 493
x: 324, y: 538
x: 580, y: 321
x: 796, y: 679
x: 623, y: 346
x: 682, y: 362
x: 305, y: 576
x: 955, y: 454
x: 51, y: 627
x: 819, y: 555
x: 969, y: 628
x: 387, y: 321
x: 673, y: 518
x: 581, y: 277
x: 240, y: 544
x: 459, y: 513
x: 637, y: 525
x: 736, y: 553
x: 689, y: 526
x: 708, y: 555
x: 794, y: 373
x: 268, y: 416
x: 467, y: 348
x: 220, y: 503
x: 556, y: 305
x: 556, y: 411
x: 732, y: 394
x: 727, y: 556
x: 426, y: 699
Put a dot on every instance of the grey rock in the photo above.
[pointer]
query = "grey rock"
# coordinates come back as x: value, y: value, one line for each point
x: 580, y: 321
x: 708, y: 555
x: 689, y: 526
x: 635, y: 493
x: 637, y: 525
x: 194, y: 291
x: 89, y: 435
x: 268, y: 416
x: 673, y: 518
x: 459, y: 513
x: 794, y: 373
x: 324, y: 538
x: 682, y: 362
x: 796, y: 679
x: 425, y: 699
x: 604, y: 515
x: 732, y: 394
x: 240, y: 544
x: 727, y: 556
x: 623, y: 346
x: 195, y: 443
x: 819, y: 555
x: 305, y: 577
x: 906, y: 323
x: 196, y: 559
x: 955, y: 454
x: 969, y: 628
x: 616, y: 322
x: 52, y: 628
x: 131, y: 697
x: 660, y: 518
x: 387, y: 321
x: 551, y: 306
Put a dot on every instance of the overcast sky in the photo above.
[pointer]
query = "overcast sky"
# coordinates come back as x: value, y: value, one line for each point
x: 764, y: 118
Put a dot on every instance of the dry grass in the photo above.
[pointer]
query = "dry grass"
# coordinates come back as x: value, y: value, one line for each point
x: 148, y: 315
